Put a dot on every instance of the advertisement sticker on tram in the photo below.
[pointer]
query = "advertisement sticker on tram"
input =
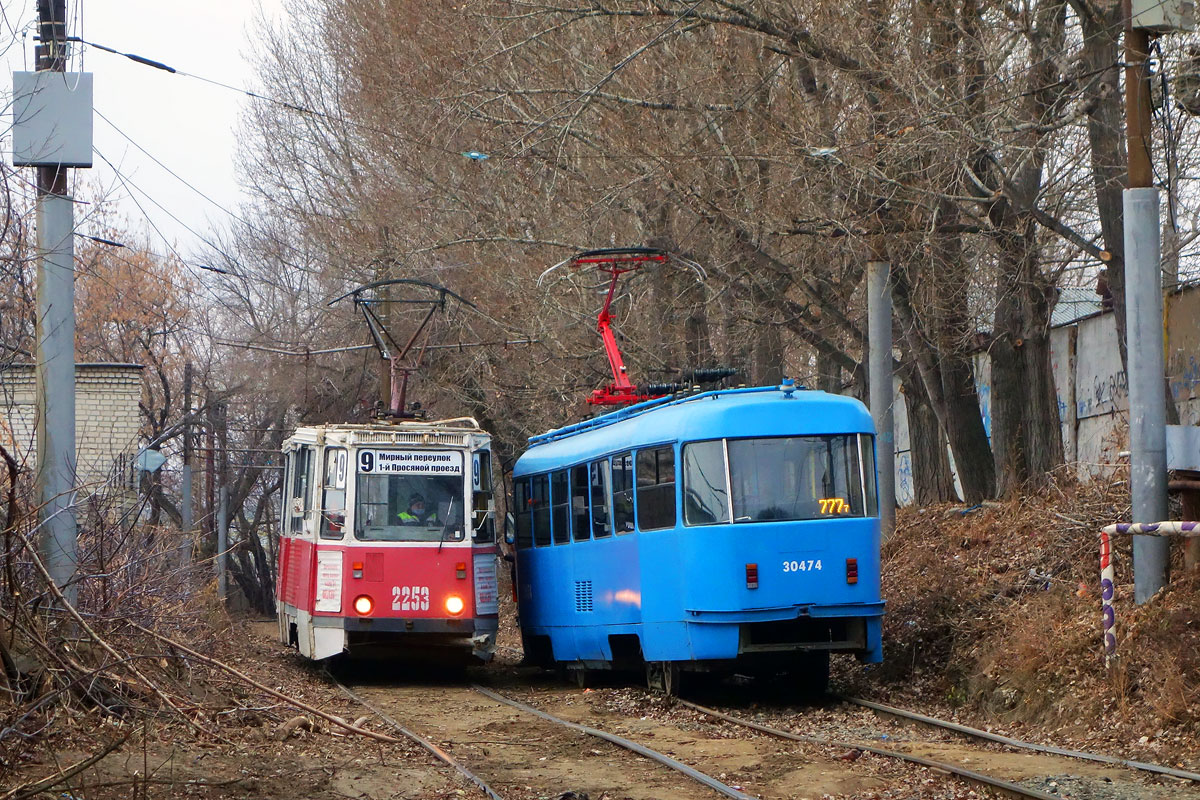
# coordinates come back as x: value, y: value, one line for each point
x: 329, y: 581
x: 487, y: 589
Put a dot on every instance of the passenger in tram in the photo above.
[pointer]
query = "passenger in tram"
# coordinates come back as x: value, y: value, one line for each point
x: 417, y: 514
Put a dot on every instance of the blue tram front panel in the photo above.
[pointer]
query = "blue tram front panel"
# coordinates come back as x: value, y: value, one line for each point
x: 728, y: 525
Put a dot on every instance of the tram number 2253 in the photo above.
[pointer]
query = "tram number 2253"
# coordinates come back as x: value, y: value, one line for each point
x: 802, y: 566
x: 410, y: 598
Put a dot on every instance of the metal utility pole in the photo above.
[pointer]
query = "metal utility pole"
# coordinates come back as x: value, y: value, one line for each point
x: 185, y: 544
x: 1144, y: 323
x: 879, y: 381
x: 56, y: 477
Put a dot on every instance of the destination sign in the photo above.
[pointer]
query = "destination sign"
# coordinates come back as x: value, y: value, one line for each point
x: 410, y: 462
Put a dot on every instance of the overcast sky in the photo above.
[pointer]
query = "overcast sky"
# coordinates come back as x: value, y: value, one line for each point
x: 187, y: 124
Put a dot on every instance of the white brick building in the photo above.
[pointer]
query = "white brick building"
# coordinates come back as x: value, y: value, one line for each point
x: 106, y: 418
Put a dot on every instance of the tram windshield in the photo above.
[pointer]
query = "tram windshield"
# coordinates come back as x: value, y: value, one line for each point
x: 778, y: 478
x: 409, y: 508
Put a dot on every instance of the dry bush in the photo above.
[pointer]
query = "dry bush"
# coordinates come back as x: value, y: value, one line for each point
x: 997, y: 608
x: 145, y: 648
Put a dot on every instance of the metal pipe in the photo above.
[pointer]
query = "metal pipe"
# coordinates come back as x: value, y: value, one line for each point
x: 1147, y: 404
x: 879, y: 382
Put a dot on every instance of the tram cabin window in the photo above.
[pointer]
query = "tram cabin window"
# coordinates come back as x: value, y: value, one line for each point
x: 523, y: 513
x: 867, y: 445
x: 581, y: 525
x: 560, y: 500
x: 333, y: 494
x: 622, y: 492
x: 705, y: 493
x: 483, y: 517
x: 796, y: 478
x: 300, y: 502
x: 539, y: 501
x: 600, y: 482
x: 656, y: 488
x: 403, y: 507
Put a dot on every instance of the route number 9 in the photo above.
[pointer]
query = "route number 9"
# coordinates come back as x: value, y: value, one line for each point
x: 366, y: 461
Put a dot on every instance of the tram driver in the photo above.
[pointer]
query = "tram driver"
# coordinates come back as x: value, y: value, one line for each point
x: 417, y: 513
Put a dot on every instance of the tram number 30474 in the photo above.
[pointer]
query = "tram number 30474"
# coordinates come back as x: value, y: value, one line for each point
x: 802, y: 566
x: 410, y: 598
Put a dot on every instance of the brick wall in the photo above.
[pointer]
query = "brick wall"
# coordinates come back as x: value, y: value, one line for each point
x: 106, y: 417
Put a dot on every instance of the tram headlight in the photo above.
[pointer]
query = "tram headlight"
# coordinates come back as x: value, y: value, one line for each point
x: 363, y: 605
x: 454, y: 605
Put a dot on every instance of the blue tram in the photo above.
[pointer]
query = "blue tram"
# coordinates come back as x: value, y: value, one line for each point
x: 729, y: 530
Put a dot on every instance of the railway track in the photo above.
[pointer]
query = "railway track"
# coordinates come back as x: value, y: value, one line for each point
x: 1140, y: 766
x: 496, y: 741
x: 493, y: 772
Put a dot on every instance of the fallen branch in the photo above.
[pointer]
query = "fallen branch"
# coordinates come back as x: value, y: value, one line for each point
x: 37, y: 787
x: 117, y: 657
x: 212, y: 662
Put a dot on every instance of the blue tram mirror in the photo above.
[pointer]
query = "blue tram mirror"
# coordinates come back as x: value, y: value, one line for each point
x: 510, y: 528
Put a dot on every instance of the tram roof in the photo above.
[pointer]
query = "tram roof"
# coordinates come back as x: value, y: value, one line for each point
x: 456, y: 432
x: 733, y: 413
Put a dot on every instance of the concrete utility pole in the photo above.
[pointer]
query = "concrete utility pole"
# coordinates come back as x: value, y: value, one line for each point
x: 223, y: 508
x: 185, y: 545
x: 56, y: 476
x: 879, y: 380
x: 1144, y: 324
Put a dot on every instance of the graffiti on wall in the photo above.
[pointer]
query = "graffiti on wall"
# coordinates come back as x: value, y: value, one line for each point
x: 1106, y: 395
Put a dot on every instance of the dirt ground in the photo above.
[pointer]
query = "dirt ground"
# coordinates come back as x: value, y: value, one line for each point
x: 993, y: 621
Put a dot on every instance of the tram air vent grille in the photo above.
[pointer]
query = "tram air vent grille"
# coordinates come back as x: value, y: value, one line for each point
x: 411, y: 437
x: 583, y: 596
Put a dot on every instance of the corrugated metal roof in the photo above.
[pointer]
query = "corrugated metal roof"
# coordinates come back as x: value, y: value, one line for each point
x: 1075, y: 303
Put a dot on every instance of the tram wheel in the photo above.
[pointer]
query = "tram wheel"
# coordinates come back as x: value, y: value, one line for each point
x: 663, y: 676
x: 580, y: 676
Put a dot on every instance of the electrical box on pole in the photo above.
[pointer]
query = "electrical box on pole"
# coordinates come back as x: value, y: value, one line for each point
x: 1164, y: 16
x: 52, y: 119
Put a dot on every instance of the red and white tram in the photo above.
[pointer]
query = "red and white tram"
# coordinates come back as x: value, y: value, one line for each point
x: 388, y: 540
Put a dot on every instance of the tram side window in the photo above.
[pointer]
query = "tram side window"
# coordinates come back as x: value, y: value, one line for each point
x: 656, y: 488
x: 622, y: 492
x: 705, y: 492
x: 561, y: 505
x: 600, y: 482
x: 539, y: 501
x: 300, y: 502
x: 580, y: 524
x: 333, y: 494
x: 523, y: 512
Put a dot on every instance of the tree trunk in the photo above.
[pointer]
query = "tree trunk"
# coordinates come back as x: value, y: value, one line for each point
x: 942, y: 351
x: 1106, y: 135
x: 932, y: 478
x: 1026, y: 436
x: 829, y: 374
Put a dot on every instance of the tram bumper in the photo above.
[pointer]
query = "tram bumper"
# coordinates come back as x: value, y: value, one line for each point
x: 477, y: 633
x: 849, y: 627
